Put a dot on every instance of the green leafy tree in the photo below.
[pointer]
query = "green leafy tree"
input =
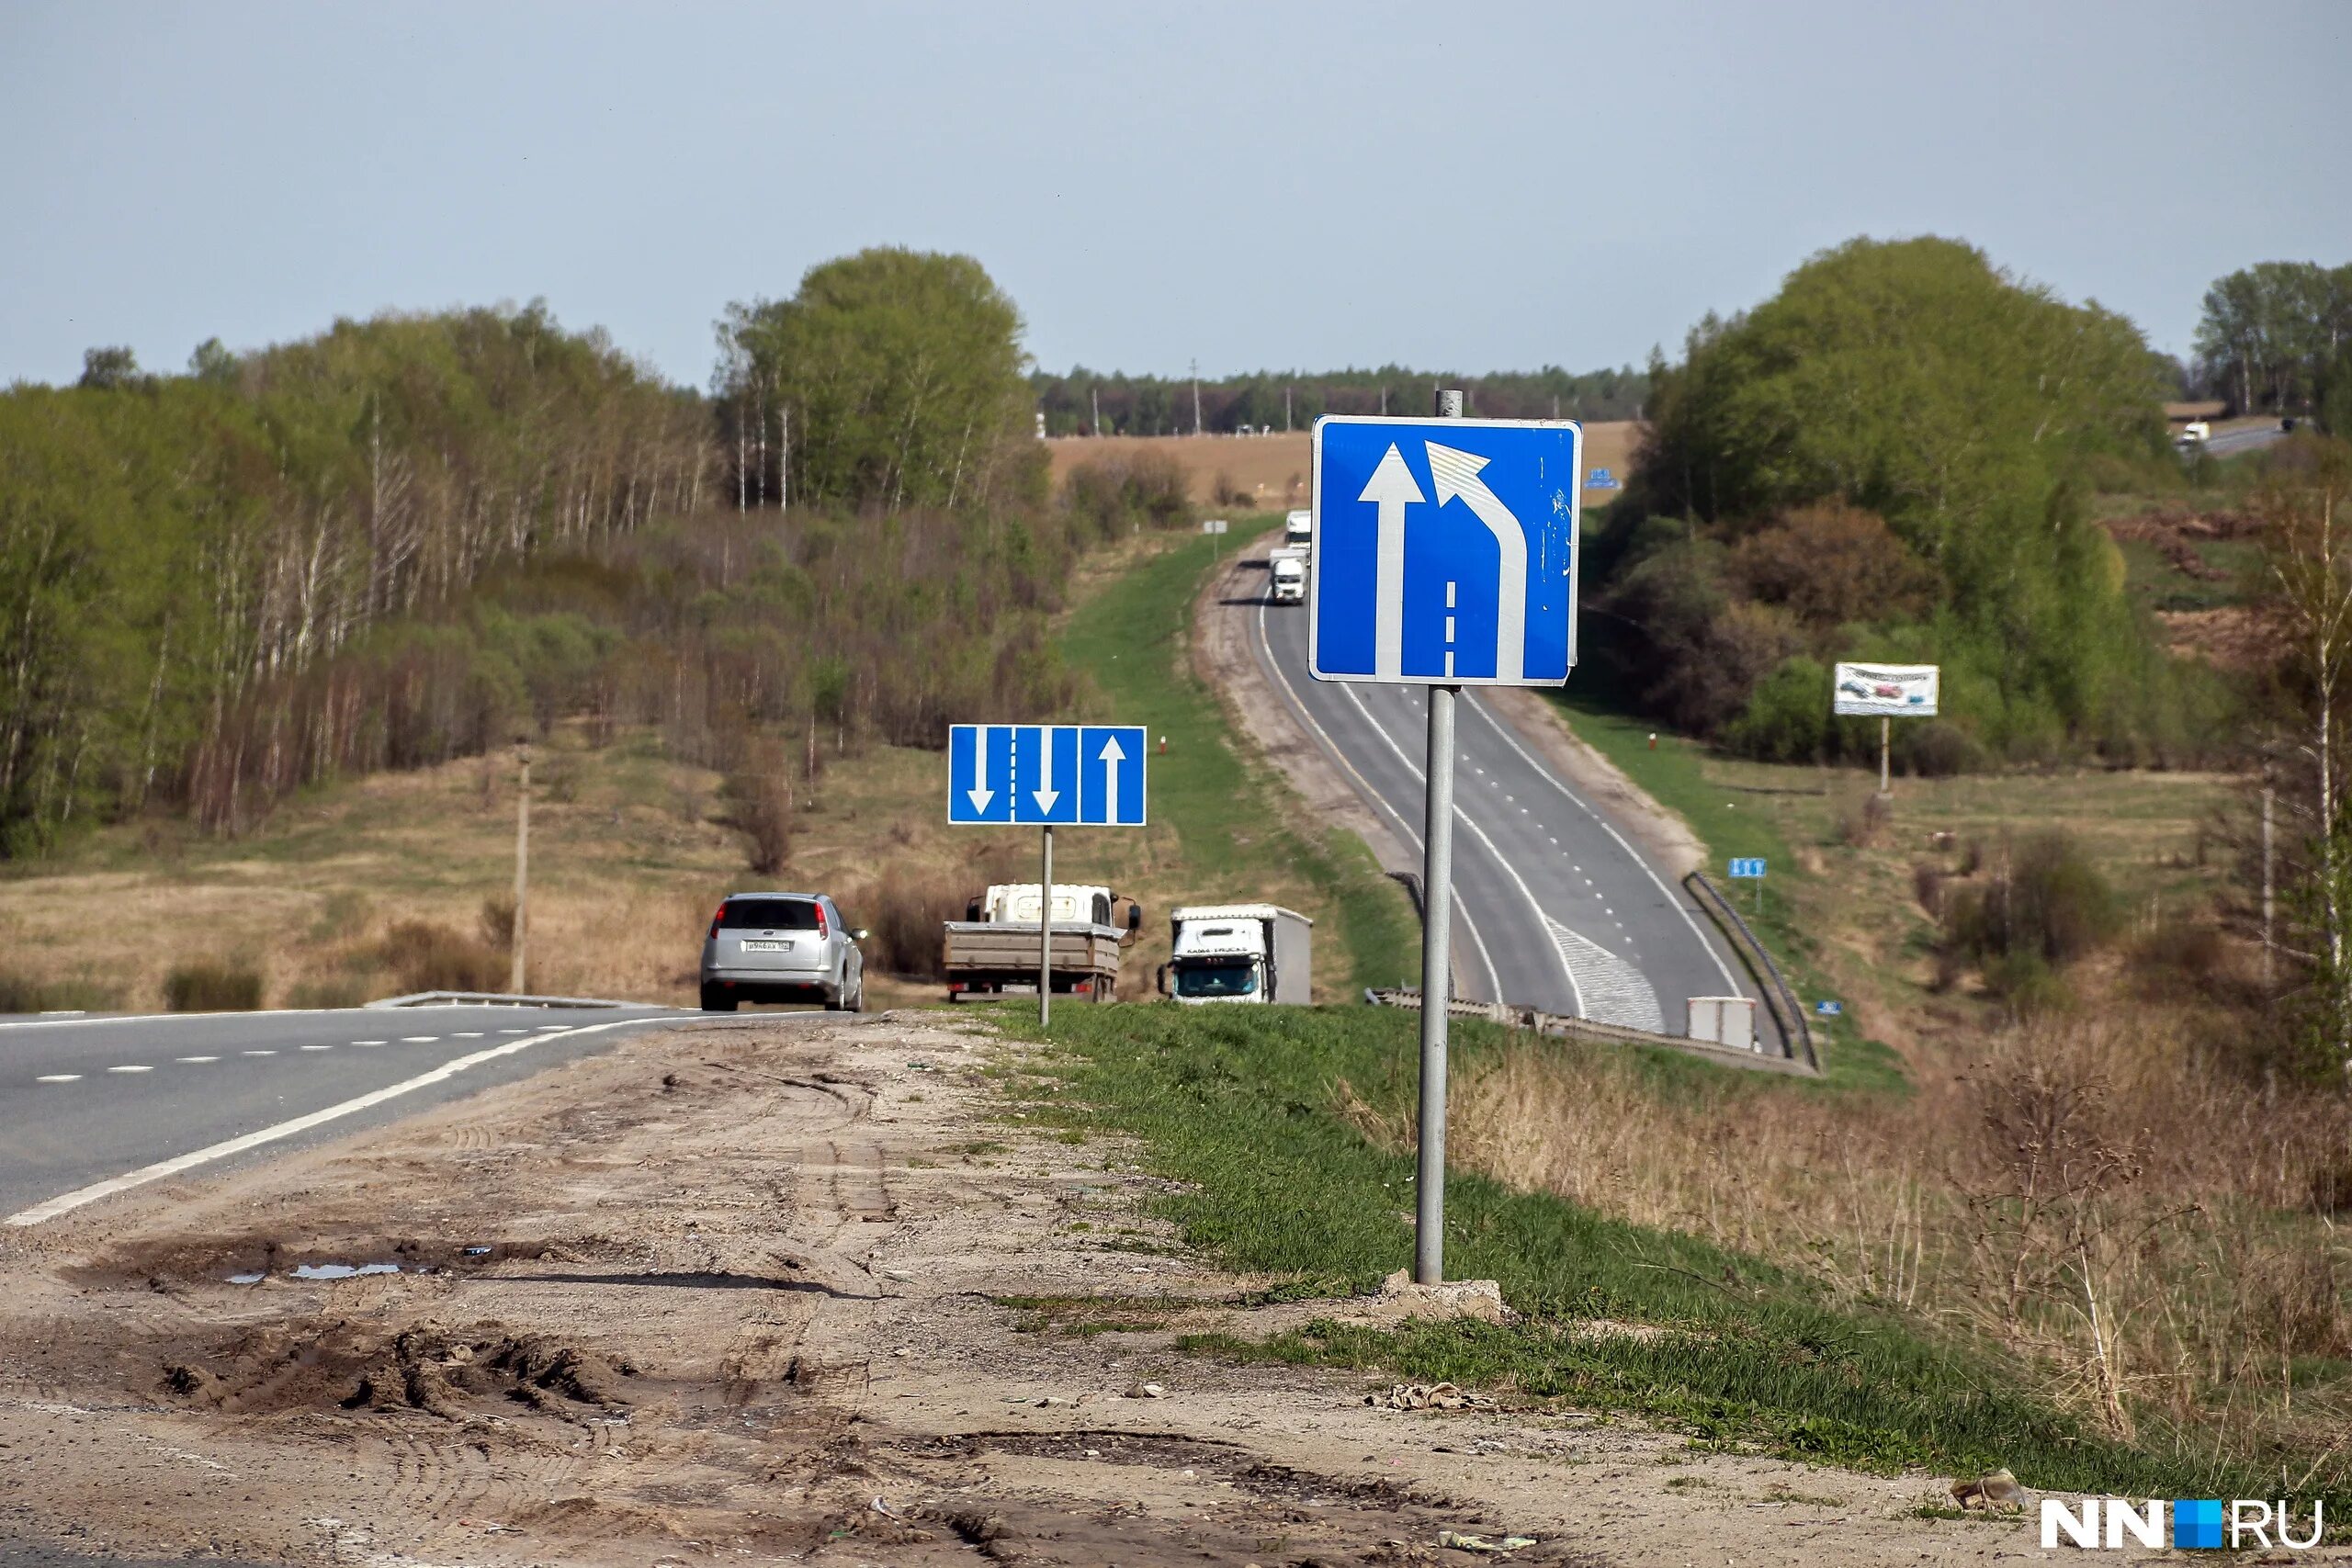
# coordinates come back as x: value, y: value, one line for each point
x: 896, y: 376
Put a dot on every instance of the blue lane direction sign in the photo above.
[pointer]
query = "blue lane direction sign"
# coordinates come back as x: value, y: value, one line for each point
x: 1748, y: 867
x: 1444, y: 551
x: 1040, y: 774
x: 1601, y: 479
x: 1827, y: 1009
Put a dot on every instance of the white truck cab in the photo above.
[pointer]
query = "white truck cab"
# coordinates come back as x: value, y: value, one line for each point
x: 1239, y: 953
x: 1299, y: 527
x: 1287, y: 575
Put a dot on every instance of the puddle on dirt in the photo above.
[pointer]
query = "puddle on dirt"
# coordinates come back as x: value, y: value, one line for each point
x: 324, y: 1271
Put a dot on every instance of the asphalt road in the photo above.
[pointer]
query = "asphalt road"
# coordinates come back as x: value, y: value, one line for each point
x: 90, y: 1101
x: 1556, y: 907
x: 2231, y: 441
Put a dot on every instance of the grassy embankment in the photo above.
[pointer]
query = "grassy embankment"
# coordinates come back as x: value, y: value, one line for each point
x: 1245, y: 1108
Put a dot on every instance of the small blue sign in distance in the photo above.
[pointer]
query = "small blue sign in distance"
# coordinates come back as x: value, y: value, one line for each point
x: 1076, y: 776
x: 1828, y: 1010
x: 1745, y: 868
x: 1601, y: 479
x: 1444, y: 551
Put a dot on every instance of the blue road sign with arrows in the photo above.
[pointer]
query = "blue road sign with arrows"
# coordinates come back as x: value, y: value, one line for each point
x: 1747, y: 867
x: 1445, y: 550
x: 1040, y: 774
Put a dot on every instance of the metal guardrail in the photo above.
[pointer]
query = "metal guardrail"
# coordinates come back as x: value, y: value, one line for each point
x: 1511, y: 1016
x: 1796, y: 1034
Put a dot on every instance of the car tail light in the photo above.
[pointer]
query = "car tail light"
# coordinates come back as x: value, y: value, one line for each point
x: 820, y: 919
x: 718, y: 915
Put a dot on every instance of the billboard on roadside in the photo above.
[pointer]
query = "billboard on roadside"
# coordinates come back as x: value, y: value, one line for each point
x: 1885, y: 691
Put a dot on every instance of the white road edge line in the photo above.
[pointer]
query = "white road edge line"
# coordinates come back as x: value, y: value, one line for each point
x: 178, y: 1163
x: 1730, y: 986
x: 1494, y: 978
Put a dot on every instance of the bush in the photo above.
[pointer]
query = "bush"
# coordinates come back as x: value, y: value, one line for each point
x: 1935, y: 748
x: 213, y: 988
x: 22, y: 993
x: 1135, y: 489
x: 429, y: 957
x: 2044, y: 900
x: 760, y: 807
x: 343, y: 991
x: 1787, y: 716
x: 903, y: 913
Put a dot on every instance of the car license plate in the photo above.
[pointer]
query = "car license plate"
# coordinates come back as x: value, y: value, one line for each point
x: 767, y: 947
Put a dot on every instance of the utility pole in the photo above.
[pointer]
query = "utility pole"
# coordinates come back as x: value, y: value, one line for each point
x: 2268, y: 905
x: 1437, y: 946
x: 1285, y: 410
x: 1095, y: 397
x: 1196, y: 397
x: 516, y: 976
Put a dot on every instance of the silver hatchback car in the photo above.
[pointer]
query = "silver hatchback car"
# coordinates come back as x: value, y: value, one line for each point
x: 781, y: 947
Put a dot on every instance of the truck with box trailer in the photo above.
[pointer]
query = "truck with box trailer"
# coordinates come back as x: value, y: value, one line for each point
x: 1239, y: 953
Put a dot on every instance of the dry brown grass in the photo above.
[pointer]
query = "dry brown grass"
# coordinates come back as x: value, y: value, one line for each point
x: 2090, y: 1194
x: 1275, y: 471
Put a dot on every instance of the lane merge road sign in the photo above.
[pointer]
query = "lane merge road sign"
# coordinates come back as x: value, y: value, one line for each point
x: 1445, y: 550
x: 1747, y: 867
x: 1067, y: 775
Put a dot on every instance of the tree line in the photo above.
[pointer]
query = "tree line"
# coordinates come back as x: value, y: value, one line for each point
x: 221, y: 585
x: 1888, y: 460
x: 1088, y: 402
x: 2276, y: 338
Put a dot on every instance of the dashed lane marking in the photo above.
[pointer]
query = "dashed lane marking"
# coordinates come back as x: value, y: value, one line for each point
x: 130, y: 1067
x: 195, y: 1058
x: 59, y: 1078
x: 317, y: 1047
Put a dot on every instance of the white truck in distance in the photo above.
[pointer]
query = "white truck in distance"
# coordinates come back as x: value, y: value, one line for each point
x: 1299, y: 527
x: 1239, y: 953
x: 1287, y: 575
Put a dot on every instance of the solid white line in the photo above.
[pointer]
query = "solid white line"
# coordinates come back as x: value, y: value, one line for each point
x: 178, y: 1163
x: 59, y: 1078
x: 1494, y: 979
x: 1730, y: 986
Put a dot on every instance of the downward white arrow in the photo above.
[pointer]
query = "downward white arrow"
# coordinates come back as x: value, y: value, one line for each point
x: 1391, y: 487
x: 1454, y: 474
x: 980, y: 794
x: 1111, y: 755
x: 1046, y: 793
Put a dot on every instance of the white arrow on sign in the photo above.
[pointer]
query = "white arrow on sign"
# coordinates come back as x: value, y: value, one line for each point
x: 980, y: 794
x: 1456, y: 474
x: 1111, y: 755
x: 1392, y: 488
x: 1046, y: 793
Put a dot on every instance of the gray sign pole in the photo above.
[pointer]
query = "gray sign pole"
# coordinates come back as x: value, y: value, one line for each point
x: 1046, y: 933
x: 1437, y: 946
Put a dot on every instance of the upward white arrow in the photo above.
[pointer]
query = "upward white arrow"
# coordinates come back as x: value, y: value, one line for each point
x: 980, y: 793
x: 1046, y: 793
x: 1111, y: 755
x: 1391, y: 487
x: 1452, y: 474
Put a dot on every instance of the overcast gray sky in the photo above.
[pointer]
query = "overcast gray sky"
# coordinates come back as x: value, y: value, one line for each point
x: 1452, y: 186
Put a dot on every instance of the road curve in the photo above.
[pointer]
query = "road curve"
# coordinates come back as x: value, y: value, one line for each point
x: 1556, y: 906
x: 89, y: 1102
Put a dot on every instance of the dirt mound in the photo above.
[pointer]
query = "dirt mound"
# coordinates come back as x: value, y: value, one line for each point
x: 346, y: 1366
x: 2176, y: 536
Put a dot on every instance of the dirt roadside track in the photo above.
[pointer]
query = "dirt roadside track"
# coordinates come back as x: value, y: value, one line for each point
x: 740, y: 1304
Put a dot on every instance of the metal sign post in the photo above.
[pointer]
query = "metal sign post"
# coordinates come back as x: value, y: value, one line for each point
x: 1436, y: 975
x: 1444, y: 556
x: 1045, y: 935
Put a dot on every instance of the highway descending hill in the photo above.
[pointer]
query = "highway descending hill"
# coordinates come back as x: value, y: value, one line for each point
x: 1557, y: 906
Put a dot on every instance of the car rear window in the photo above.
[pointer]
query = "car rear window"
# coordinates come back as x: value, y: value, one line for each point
x: 770, y: 914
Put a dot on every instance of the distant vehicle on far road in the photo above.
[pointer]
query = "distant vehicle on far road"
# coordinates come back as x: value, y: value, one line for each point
x: 1286, y: 572
x: 1299, y: 527
x: 2194, y: 434
x: 782, y: 947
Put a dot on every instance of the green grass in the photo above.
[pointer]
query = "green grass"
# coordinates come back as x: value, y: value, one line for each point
x: 1237, y: 1105
x: 1674, y: 774
x: 1232, y: 818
